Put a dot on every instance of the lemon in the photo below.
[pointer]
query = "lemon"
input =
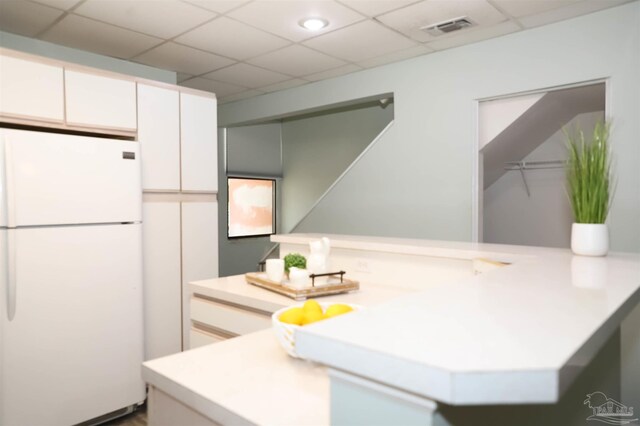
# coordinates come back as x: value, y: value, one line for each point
x: 311, y: 316
x: 337, y: 309
x: 292, y: 316
x: 312, y: 306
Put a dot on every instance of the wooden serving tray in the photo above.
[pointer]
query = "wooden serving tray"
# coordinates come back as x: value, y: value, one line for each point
x: 260, y: 279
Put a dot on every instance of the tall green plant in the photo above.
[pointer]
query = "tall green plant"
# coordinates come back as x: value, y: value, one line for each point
x: 589, y: 174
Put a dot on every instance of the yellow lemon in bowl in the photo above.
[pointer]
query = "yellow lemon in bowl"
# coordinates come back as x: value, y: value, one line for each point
x: 292, y: 316
x: 337, y: 309
x: 312, y: 316
x: 312, y: 305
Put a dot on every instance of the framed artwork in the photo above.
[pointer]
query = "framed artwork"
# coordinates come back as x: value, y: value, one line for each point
x: 251, y: 208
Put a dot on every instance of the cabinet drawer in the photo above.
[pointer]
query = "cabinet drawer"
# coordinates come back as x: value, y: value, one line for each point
x: 201, y: 338
x: 230, y: 319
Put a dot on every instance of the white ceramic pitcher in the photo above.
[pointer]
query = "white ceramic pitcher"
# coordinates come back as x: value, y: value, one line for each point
x: 318, y: 261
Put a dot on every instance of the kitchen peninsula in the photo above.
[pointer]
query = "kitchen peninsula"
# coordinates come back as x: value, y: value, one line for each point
x: 527, y: 335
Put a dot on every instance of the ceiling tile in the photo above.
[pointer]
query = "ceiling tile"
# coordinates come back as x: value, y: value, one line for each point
x: 25, y: 18
x: 282, y: 17
x: 87, y: 34
x: 336, y: 72
x: 472, y: 36
x: 284, y: 85
x: 576, y: 9
x: 246, y: 75
x: 159, y: 18
x: 180, y: 77
x: 296, y: 60
x: 409, y: 19
x: 231, y: 38
x: 217, y: 87
x: 529, y: 7
x: 360, y: 41
x: 396, y: 56
x: 176, y: 57
x: 242, y: 95
x: 220, y: 6
x: 59, y: 4
x: 376, y: 7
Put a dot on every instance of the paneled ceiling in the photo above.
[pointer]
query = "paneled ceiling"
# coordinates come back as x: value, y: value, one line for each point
x: 243, y: 48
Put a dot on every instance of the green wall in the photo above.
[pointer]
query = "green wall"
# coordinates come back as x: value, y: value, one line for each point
x: 316, y: 150
x: 81, y: 57
x: 417, y: 181
x: 240, y: 255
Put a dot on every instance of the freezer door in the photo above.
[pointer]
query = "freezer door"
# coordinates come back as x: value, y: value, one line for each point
x: 74, y: 349
x: 56, y: 179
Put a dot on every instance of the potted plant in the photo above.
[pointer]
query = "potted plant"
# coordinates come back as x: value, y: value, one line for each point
x: 589, y: 180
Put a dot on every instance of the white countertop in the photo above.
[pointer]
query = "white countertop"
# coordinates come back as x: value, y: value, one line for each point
x: 246, y: 380
x: 235, y: 289
x: 250, y: 379
x: 431, y: 248
x: 518, y: 334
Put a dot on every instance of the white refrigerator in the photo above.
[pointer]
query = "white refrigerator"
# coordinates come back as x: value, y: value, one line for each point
x: 71, y: 332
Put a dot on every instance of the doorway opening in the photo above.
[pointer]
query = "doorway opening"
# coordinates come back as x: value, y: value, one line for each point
x: 522, y: 154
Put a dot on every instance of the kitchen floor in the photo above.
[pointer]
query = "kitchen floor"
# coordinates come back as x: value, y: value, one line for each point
x: 137, y: 418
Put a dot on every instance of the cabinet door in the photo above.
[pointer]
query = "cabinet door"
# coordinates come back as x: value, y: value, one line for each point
x: 99, y: 101
x: 159, y: 137
x: 199, y: 139
x: 31, y: 90
x: 162, y: 281
x: 199, y: 250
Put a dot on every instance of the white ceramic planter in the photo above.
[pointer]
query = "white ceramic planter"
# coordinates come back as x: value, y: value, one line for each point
x: 590, y: 239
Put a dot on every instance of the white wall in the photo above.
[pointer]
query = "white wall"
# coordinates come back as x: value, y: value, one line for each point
x: 417, y: 180
x: 544, y: 218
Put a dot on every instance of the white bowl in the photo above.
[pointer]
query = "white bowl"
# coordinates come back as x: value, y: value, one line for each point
x: 286, y: 333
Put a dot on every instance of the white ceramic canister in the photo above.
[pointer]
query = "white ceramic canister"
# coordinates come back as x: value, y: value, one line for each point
x: 590, y: 239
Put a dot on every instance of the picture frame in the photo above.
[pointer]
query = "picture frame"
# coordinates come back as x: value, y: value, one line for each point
x: 251, y: 206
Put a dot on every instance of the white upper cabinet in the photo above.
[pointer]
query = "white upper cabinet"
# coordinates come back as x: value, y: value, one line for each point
x: 159, y: 137
x: 199, y: 143
x: 31, y: 90
x: 98, y: 101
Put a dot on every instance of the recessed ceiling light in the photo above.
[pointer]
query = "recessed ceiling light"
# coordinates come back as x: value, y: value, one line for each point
x: 313, y: 24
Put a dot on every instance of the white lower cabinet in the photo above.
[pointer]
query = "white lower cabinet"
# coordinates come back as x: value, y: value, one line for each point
x: 199, y: 251
x: 201, y: 337
x: 180, y: 246
x: 214, y: 320
x: 162, y: 279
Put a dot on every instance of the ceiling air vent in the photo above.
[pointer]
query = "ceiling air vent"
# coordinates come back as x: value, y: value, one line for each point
x: 448, y: 26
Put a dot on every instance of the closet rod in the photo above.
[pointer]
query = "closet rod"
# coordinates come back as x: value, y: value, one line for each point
x: 532, y: 165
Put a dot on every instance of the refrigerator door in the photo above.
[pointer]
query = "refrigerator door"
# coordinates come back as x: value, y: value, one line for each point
x: 75, y: 345
x: 57, y: 179
x: 3, y: 310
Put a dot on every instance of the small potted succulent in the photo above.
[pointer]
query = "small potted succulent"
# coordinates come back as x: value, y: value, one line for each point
x: 589, y: 179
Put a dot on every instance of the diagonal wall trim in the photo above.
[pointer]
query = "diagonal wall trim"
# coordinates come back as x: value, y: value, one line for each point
x: 343, y: 174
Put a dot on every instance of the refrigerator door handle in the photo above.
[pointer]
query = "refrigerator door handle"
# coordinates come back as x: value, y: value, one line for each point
x: 12, y: 277
x: 9, y: 184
